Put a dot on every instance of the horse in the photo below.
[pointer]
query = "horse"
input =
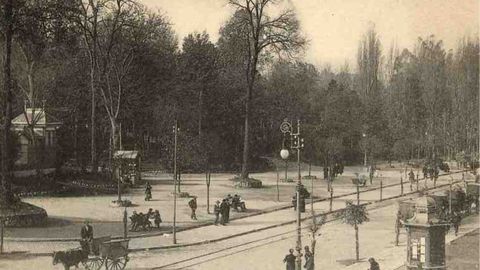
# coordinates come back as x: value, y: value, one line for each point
x: 69, y: 258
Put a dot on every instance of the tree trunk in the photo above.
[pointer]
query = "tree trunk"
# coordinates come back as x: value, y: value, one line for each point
x: 357, y: 244
x: 93, y: 81
x: 179, y: 180
x: 93, y: 149
x: 309, y: 168
x: 245, y: 172
x: 6, y: 195
x: 75, y: 137
x: 278, y: 189
x: 200, y: 112
x: 251, y: 72
x: 207, y: 179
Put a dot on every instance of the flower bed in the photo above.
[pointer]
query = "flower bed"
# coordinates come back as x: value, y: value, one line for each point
x: 23, y: 214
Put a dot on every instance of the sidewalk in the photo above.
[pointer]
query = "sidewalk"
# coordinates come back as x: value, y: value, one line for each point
x: 393, y: 258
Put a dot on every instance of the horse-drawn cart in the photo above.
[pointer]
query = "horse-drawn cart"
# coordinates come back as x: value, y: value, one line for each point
x: 111, y: 253
x: 101, y: 251
x: 114, y: 254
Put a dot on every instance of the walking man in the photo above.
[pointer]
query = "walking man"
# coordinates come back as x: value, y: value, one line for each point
x: 216, y: 211
x: 411, y: 178
x: 290, y: 260
x: 456, y: 220
x: 193, y: 206
x: 398, y: 224
x: 148, y: 192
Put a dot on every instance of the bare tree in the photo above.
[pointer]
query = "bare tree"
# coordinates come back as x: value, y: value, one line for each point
x: 260, y: 33
x: 87, y: 17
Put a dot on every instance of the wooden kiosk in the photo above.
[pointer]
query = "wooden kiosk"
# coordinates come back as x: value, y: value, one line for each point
x: 426, y: 237
x: 128, y: 166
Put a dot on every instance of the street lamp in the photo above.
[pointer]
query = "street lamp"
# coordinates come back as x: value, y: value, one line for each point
x: 365, y: 148
x: 175, y: 132
x: 284, y: 153
x: 296, y: 143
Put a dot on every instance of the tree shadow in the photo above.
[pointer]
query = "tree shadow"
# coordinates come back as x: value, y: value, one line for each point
x: 347, y: 262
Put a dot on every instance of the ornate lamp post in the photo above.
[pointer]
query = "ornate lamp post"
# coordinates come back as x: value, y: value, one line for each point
x: 365, y: 148
x: 297, y: 143
x: 175, y: 133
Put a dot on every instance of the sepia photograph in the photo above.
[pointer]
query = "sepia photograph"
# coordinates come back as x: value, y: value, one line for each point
x: 239, y: 134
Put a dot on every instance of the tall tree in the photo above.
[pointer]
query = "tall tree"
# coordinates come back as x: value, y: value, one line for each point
x: 198, y: 69
x: 7, y: 98
x: 87, y: 16
x: 259, y: 32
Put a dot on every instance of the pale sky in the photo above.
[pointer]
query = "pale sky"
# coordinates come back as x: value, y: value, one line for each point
x: 334, y: 27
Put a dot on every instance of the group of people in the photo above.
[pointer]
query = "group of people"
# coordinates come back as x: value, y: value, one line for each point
x: 430, y: 172
x: 290, y: 259
x: 143, y: 220
x: 222, y: 209
x: 337, y: 169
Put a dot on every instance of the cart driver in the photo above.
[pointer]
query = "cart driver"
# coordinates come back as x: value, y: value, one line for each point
x: 87, y: 235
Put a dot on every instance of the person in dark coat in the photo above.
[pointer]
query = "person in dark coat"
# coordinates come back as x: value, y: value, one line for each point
x: 148, y: 192
x: 227, y: 211
x: 134, y: 220
x: 309, y: 259
x: 86, y: 233
x: 216, y: 211
x: 425, y: 171
x: 373, y: 264
x: 223, y: 211
x: 157, y: 219
x: 456, y: 220
x: 193, y: 206
x: 290, y: 260
x: 150, y: 213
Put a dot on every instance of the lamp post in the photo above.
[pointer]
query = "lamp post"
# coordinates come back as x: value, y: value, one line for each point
x: 365, y: 148
x: 296, y: 143
x: 175, y: 132
x: 284, y: 153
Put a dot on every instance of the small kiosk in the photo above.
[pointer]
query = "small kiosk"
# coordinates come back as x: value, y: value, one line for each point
x: 45, y: 128
x: 128, y: 166
x: 426, y: 237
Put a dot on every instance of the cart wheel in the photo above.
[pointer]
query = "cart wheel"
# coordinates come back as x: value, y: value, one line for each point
x: 93, y: 263
x: 117, y: 263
